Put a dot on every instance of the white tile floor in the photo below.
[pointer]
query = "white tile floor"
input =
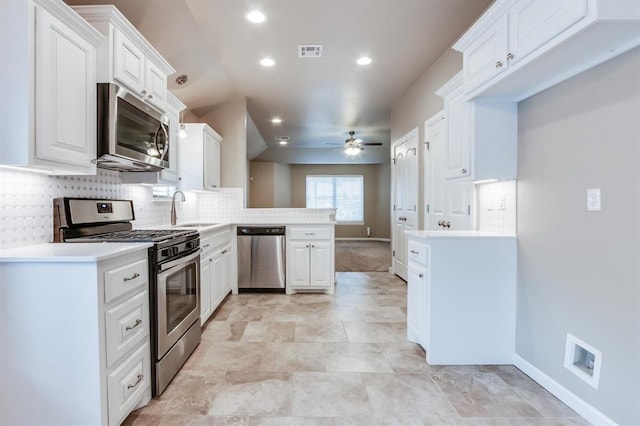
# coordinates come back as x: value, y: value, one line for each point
x: 271, y: 359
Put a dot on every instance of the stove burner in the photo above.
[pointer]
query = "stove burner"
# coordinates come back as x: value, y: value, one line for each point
x: 142, y: 235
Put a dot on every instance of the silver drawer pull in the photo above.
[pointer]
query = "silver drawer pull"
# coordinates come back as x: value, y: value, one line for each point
x: 132, y: 277
x: 309, y: 233
x: 139, y: 379
x: 131, y: 327
x: 413, y: 251
x: 205, y: 246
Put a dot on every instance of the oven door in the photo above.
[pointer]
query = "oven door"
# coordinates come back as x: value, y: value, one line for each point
x: 178, y: 290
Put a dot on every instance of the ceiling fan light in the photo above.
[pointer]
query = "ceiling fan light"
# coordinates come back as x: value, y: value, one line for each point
x: 352, y: 150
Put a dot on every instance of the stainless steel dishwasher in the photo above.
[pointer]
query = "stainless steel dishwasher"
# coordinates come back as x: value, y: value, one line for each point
x: 261, y: 258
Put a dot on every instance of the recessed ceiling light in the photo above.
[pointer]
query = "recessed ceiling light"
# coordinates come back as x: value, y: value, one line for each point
x: 365, y: 60
x: 256, y: 17
x: 267, y: 62
x: 276, y: 120
x: 282, y: 142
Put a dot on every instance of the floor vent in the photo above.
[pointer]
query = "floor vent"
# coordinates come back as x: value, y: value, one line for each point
x: 310, y: 51
x: 583, y: 360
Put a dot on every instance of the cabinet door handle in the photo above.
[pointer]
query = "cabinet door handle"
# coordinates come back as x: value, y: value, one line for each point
x: 206, y: 245
x: 421, y: 275
x: 464, y: 171
x: 309, y: 233
x: 139, y: 379
x: 509, y: 56
x: 132, y: 277
x: 413, y: 251
x: 144, y: 92
x: 150, y: 96
x: 136, y: 324
x: 308, y: 245
x: 498, y: 64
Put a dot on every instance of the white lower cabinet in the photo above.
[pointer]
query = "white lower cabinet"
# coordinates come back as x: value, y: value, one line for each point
x: 216, y: 271
x: 310, y: 258
x: 78, y: 331
x: 461, y: 296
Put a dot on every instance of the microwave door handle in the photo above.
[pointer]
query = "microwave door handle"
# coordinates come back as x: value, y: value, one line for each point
x: 166, y: 145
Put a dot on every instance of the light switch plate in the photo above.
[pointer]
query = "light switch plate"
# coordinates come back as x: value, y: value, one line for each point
x: 593, y: 200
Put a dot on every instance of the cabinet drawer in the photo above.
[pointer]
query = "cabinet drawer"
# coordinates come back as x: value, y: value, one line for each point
x: 127, y: 325
x: 205, y: 244
x: 220, y: 239
x: 418, y: 253
x: 128, y: 383
x: 123, y: 279
x: 309, y: 233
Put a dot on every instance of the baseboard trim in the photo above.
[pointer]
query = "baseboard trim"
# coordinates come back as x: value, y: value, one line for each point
x: 387, y: 240
x: 576, y: 403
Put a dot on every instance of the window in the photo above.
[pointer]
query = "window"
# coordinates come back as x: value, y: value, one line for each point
x: 343, y: 193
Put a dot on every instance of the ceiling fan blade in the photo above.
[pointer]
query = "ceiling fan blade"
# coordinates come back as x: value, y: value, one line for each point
x: 372, y: 143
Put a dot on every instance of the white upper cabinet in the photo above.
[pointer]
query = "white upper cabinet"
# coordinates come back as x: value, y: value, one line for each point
x: 48, y: 102
x: 532, y: 23
x: 127, y: 58
x: 480, y: 137
x: 521, y: 47
x: 199, y: 158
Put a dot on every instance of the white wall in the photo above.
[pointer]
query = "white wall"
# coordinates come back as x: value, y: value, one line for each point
x: 579, y: 271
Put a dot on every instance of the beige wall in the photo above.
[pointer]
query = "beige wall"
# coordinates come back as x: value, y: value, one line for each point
x: 281, y: 185
x: 420, y: 103
x: 579, y: 271
x: 260, y: 184
x: 269, y: 185
x: 375, y: 195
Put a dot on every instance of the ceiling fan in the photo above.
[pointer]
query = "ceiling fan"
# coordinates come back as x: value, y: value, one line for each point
x: 353, y: 146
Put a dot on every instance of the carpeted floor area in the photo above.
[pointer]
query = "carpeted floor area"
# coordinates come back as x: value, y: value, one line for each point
x: 362, y: 256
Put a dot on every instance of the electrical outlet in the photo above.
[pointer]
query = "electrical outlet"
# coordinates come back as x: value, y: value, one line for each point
x: 593, y: 200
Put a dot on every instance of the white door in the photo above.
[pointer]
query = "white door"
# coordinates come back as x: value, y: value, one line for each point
x: 405, y: 197
x: 448, y: 201
x: 298, y: 263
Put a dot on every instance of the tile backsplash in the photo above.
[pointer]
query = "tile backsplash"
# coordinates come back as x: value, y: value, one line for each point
x: 26, y: 205
x: 496, y: 203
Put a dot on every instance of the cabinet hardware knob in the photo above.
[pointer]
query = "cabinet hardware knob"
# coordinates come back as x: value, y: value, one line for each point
x: 139, y: 379
x: 464, y: 171
x: 150, y: 96
x: 131, y: 327
x: 132, y: 277
x: 144, y: 92
x: 498, y: 64
x: 210, y: 260
x: 312, y: 246
x: 509, y: 56
x: 421, y: 275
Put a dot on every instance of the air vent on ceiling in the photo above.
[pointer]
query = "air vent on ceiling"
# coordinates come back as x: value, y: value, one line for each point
x: 310, y: 51
x: 281, y: 138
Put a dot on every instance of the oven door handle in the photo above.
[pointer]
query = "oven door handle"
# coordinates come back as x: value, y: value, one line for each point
x: 166, y: 266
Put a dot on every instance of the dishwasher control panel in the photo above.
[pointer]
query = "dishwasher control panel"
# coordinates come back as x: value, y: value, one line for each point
x: 261, y: 230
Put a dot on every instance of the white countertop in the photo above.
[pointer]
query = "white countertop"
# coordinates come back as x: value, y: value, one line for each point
x: 430, y: 234
x: 69, y: 252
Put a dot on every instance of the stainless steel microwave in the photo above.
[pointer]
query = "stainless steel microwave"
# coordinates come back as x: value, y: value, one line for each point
x: 132, y: 135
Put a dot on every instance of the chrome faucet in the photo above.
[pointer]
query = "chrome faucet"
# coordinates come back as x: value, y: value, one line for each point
x: 174, y: 216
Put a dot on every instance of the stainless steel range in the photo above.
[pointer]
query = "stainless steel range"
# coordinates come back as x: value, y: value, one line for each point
x: 174, y: 274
